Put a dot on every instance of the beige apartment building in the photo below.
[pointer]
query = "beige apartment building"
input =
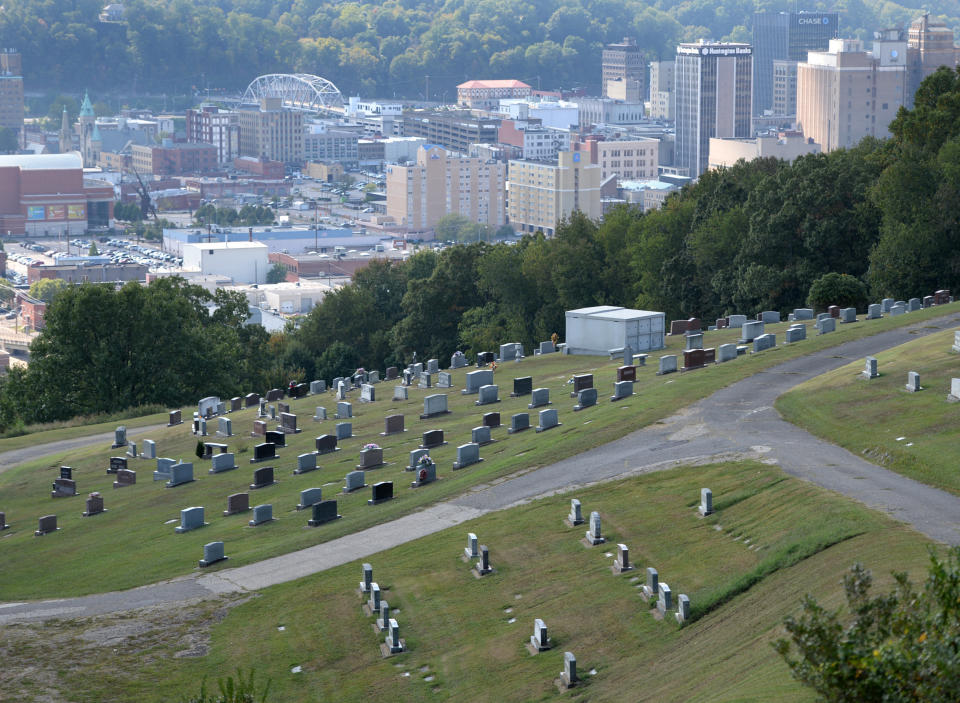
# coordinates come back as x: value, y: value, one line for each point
x: 627, y: 159
x: 541, y: 193
x: 442, y: 183
x: 268, y: 131
x: 662, y: 100
x: 786, y: 146
x: 845, y: 93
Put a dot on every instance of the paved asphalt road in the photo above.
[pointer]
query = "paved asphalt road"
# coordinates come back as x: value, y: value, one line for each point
x: 735, y: 421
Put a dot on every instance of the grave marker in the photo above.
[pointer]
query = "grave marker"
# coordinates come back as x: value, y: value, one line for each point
x: 668, y: 364
x: 913, y: 382
x: 46, y: 525
x: 870, y: 368
x: 264, y: 452
x: 222, y: 462
x: 343, y: 430
x: 539, y: 397
x: 191, y: 519
x: 622, y: 562
x: 237, y: 503
x: 355, y: 480
x: 262, y: 478
x: 117, y: 463
x: 518, y: 423
x: 149, y: 449
x: 488, y: 395
x: 261, y: 514
x: 467, y: 455
x: 180, y: 474
x: 400, y: 393
x: 575, y: 517
x: 706, y: 502
x: 125, y: 477
x: 173, y: 418
x: 324, y: 511
x: 586, y: 399
x: 683, y: 608
x: 432, y: 438
x: 481, y: 435
x: 371, y: 457
x: 621, y: 390
x: 539, y: 640
x: 381, y: 492
x: 594, y: 535
x: 306, y: 463
x: 426, y: 472
x: 94, y: 505
x: 212, y: 553
x: 548, y: 419
x: 475, y: 379
x: 308, y: 497
x: 326, y: 443
x: 288, y: 424
x: 522, y: 386
x: 482, y: 567
x: 434, y: 405
x: 491, y: 420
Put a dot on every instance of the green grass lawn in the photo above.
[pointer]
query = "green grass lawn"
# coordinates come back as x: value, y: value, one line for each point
x: 915, y: 434
x: 772, y: 539
x: 134, y: 544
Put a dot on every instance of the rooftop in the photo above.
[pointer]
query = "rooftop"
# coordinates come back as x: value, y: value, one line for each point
x: 493, y: 84
x: 43, y: 162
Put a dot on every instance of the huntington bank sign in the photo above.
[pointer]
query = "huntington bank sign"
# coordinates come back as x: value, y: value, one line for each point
x: 715, y: 50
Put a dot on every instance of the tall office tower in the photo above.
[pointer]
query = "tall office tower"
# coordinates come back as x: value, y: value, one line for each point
x: 845, y: 94
x: 929, y: 46
x: 11, y: 90
x: 784, y: 87
x: 785, y: 36
x: 713, y: 99
x: 623, y: 65
x: 662, y: 102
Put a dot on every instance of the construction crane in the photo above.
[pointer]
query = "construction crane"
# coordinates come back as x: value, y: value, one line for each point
x: 146, y: 204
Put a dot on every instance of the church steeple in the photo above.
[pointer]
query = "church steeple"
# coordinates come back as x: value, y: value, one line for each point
x: 86, y: 109
x: 88, y: 128
x: 66, y: 138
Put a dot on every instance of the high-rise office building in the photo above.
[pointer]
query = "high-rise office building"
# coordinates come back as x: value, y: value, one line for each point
x: 784, y: 87
x: 662, y: 102
x: 845, y: 94
x: 270, y: 131
x: 11, y: 90
x: 713, y: 99
x: 623, y: 64
x: 929, y: 46
x: 785, y: 36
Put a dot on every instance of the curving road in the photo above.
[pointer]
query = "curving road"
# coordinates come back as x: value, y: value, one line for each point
x: 736, y: 421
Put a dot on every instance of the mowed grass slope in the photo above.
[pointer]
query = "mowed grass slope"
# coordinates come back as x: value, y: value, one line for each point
x: 772, y: 540
x: 915, y: 434
x: 135, y: 544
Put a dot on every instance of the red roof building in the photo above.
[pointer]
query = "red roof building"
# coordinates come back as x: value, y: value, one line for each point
x: 486, y: 95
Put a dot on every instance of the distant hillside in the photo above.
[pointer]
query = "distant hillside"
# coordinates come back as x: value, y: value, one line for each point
x: 378, y: 48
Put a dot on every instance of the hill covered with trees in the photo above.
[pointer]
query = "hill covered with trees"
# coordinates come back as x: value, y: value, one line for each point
x: 375, y: 48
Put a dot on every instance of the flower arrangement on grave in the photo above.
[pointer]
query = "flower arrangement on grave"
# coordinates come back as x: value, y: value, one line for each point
x: 425, y: 460
x: 371, y: 446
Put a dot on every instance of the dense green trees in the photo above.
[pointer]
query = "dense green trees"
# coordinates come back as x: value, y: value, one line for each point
x: 379, y: 47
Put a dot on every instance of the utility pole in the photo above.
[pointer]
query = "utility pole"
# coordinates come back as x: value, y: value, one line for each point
x: 427, y: 94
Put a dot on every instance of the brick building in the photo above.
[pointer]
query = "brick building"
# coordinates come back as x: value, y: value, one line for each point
x: 171, y: 159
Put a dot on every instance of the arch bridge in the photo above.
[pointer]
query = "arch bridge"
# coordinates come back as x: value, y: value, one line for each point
x: 299, y: 91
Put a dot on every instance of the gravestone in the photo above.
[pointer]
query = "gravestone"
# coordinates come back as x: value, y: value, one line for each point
x: 518, y: 423
x: 488, y: 395
x: 548, y: 419
x: 826, y: 325
x: 264, y: 452
x: 343, y: 430
x: 434, y: 405
x: 664, y: 600
x: 380, y: 492
x: 726, y: 352
x: 621, y: 390
x: 391, y: 373
x: 622, y: 562
x: 261, y: 514
x: 276, y: 438
x: 576, y: 514
x: 94, y: 505
x: 191, y: 519
x: 491, y: 420
x: 870, y: 368
x: 274, y: 394
x: 119, y: 437
x: 594, y: 535
x: 212, y: 553
x: 425, y: 380
x: 694, y: 341
x: 444, y: 380
x: 210, y: 447
x: 326, y: 443
x: 173, y: 418
x: 483, y: 567
x: 426, y: 472
x: 341, y: 390
x: 941, y: 297
x: 367, y: 575
x: 833, y: 311
x: 308, y: 497
x: 163, y: 469
x: 458, y: 360
x: 416, y: 369
x: 251, y: 400
x: 873, y: 311
x: 180, y: 474
x: 393, y: 644
x: 683, y: 608
x: 586, y: 399
x: 132, y: 450
x: 224, y: 427
x: 207, y: 407
x: 262, y: 478
x: 318, y: 387
x: 392, y: 424
x: 237, y: 503
x: 202, y: 427
x: 568, y: 677
x: 764, y: 342
x: 371, y: 457
x: 848, y: 315
x: 344, y: 411
x: 45, y: 525
x: 539, y: 397
x: 355, y: 480
x: 722, y: 323
x: 433, y: 366
x: 693, y: 359
x: 886, y: 304
x: 125, y: 477
x: 652, y: 586
x: 262, y: 408
x: 66, y: 472
x: 400, y: 393
x: 432, y: 438
x: 149, y: 449
x: 471, y: 550
x: 415, y: 457
x: 511, y: 351
x: 706, y: 502
x: 306, y: 463
x: 913, y: 382
x: 324, y: 511
x: 627, y: 373
x: 898, y: 309
x: 668, y: 364
x: 467, y: 454
x: 547, y: 347
x: 737, y: 321
x: 283, y: 407
x: 474, y: 379
x: 796, y: 333
x: 678, y: 327
x: 769, y: 316
x: 320, y: 414
x: 522, y: 386
x: 914, y: 304
x: 750, y: 331
x: 539, y: 640
x: 694, y: 325
x: 480, y: 435
x: 581, y: 382
x: 116, y: 464
x: 802, y: 314
x: 222, y: 462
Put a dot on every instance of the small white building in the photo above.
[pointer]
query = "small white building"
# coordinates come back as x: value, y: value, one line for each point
x: 599, y: 329
x: 244, y: 262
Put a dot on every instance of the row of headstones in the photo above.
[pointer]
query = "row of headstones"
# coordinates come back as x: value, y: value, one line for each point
x: 120, y: 440
x: 374, y: 606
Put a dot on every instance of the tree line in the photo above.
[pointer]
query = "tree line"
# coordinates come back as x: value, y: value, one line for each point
x: 878, y: 220
x: 373, y: 48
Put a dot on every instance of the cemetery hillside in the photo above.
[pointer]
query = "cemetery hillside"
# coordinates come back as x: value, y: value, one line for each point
x: 843, y: 228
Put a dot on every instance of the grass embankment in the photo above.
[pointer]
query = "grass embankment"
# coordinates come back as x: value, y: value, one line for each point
x: 780, y: 536
x: 32, y: 435
x: 132, y: 544
x: 915, y: 434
